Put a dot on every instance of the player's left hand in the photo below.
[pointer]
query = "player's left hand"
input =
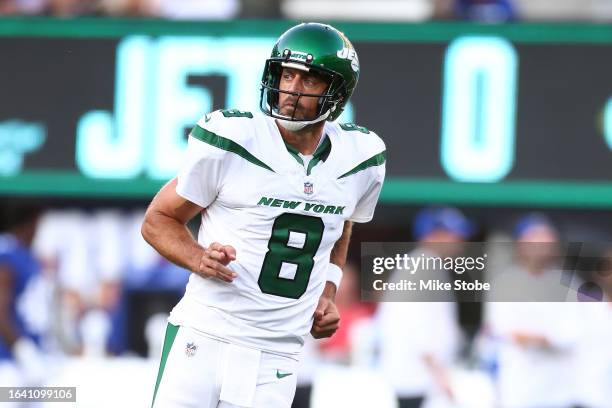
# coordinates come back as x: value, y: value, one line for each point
x: 326, y: 319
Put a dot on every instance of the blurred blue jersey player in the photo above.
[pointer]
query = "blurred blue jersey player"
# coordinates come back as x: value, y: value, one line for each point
x: 19, y: 354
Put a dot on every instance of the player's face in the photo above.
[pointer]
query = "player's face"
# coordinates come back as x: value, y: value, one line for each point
x: 295, y: 80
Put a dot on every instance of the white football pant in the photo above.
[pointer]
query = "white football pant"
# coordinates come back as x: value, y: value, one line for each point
x: 197, y: 371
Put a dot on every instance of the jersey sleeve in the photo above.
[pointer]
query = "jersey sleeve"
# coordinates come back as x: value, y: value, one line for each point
x: 200, y: 176
x: 364, y: 210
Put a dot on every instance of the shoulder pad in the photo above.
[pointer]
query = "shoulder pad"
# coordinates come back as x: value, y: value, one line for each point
x: 231, y: 124
x: 362, y: 147
x: 364, y: 142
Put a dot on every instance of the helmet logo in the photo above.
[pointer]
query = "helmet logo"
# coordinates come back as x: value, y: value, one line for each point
x: 349, y: 54
x: 299, y: 55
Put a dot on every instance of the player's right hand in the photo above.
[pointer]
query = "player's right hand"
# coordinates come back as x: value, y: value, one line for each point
x: 214, y: 261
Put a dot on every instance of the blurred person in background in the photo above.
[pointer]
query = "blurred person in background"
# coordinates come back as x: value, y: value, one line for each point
x: 190, y: 9
x: 101, y: 267
x: 485, y: 11
x: 267, y: 262
x: 536, y: 342
x: 359, y: 10
x: 604, y: 275
x: 443, y: 9
x: 22, y: 7
x: 71, y: 8
x: 261, y: 9
x: 565, y: 10
x: 124, y: 8
x: 419, y: 339
x: 168, y: 9
x: 594, y: 373
x: 51, y: 8
x: 8, y: 7
x: 86, y: 253
x: 21, y: 360
x: 338, y: 349
x: 61, y: 245
x: 107, y: 262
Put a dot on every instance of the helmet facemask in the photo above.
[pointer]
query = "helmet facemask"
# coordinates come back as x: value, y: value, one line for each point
x: 270, y: 91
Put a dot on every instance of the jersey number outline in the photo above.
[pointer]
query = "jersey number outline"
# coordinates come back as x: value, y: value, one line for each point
x: 235, y: 113
x: 351, y: 126
x: 279, y: 252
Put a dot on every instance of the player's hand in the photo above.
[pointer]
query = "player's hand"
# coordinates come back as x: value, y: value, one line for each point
x: 326, y: 319
x: 214, y: 261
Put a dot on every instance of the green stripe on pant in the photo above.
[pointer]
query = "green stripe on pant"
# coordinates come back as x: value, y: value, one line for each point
x: 171, y: 331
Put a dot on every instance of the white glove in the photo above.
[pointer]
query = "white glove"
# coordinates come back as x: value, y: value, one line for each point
x: 30, y: 361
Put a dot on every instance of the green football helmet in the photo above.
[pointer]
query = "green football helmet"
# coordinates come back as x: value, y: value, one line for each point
x: 317, y: 48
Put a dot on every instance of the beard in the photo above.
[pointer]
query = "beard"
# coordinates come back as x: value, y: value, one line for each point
x: 291, y: 110
x: 292, y: 106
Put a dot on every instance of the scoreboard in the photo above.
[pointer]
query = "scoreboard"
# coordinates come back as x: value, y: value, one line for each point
x: 515, y: 115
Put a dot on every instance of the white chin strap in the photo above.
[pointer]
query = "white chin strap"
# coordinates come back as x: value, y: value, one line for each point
x: 295, y: 125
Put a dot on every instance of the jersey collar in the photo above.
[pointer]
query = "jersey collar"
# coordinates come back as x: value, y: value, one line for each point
x: 320, y: 154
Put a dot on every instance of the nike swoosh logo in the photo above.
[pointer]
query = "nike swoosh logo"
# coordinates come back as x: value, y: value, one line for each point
x: 282, y: 375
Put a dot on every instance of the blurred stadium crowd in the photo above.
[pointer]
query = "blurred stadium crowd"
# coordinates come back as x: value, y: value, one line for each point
x: 88, y: 286
x: 363, y: 10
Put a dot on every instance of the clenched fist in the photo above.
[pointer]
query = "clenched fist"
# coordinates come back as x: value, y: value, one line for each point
x: 326, y: 319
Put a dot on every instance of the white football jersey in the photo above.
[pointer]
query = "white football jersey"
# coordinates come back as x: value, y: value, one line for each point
x: 282, y: 217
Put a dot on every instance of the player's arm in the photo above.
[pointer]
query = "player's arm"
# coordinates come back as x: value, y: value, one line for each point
x: 326, y: 316
x: 165, y: 229
x: 338, y: 260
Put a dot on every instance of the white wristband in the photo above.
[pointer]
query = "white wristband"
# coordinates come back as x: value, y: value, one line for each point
x: 334, y: 274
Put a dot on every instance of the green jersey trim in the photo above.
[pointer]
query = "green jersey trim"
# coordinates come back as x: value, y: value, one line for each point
x: 294, y: 152
x: 319, y: 155
x: 375, y: 160
x: 226, y: 144
x: 280, y: 375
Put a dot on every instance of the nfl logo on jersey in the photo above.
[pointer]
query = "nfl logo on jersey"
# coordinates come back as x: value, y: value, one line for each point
x: 190, y: 349
x: 308, y: 188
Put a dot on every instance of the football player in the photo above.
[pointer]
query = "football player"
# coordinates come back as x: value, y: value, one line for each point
x: 278, y: 193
